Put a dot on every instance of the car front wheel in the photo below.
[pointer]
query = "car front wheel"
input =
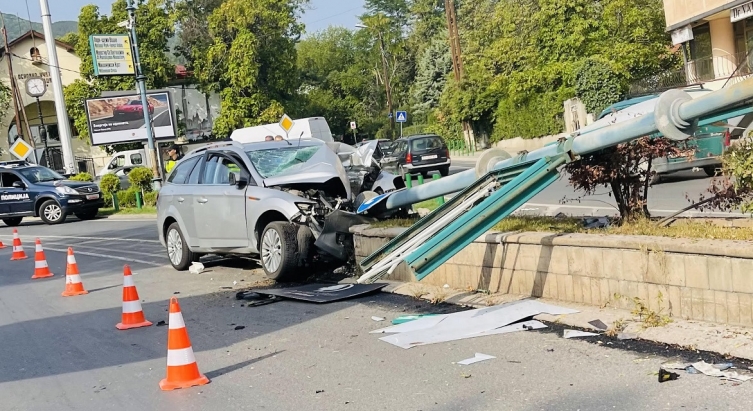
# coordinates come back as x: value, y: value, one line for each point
x: 51, y: 212
x: 178, y: 253
x: 279, y: 251
x: 13, y: 222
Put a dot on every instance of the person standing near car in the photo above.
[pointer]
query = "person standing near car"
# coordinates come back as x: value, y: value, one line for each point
x: 174, y: 156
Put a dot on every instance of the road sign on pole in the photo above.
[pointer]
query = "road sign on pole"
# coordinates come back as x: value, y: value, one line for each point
x: 352, y: 125
x: 401, y: 116
x: 111, y: 54
x: 20, y: 149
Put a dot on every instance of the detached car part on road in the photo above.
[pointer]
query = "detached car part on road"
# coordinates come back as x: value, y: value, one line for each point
x: 30, y: 190
x: 287, y: 203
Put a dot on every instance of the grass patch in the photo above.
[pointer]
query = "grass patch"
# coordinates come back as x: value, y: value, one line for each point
x: 127, y: 211
x: 698, y: 230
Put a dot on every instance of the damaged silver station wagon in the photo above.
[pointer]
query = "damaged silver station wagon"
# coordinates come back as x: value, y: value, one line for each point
x: 283, y: 202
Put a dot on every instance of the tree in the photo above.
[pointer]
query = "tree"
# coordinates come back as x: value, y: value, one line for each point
x: 70, y: 38
x: 154, y: 27
x: 192, y: 17
x: 433, y: 67
x: 251, y: 61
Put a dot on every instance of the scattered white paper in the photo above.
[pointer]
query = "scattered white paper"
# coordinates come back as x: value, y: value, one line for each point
x: 196, y: 268
x: 576, y: 333
x: 469, y: 324
x: 712, y: 371
x: 377, y: 318
x: 477, y: 358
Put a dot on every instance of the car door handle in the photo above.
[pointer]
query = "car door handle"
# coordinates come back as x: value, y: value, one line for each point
x: 202, y: 201
x: 181, y: 199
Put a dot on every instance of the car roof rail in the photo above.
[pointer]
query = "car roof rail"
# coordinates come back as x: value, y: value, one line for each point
x: 14, y: 163
x: 216, y: 145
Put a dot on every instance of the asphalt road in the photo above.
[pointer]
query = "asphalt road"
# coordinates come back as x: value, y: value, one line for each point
x: 160, y: 118
x: 65, y: 353
x: 668, y: 196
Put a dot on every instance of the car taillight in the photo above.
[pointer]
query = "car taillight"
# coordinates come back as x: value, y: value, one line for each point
x: 447, y: 153
x: 727, y: 137
x: 409, y: 158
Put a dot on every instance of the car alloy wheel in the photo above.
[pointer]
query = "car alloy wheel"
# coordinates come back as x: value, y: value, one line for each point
x: 174, y: 247
x: 52, y: 212
x: 271, y: 250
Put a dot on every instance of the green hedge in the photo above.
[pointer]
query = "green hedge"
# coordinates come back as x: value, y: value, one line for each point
x: 127, y: 198
x: 82, y: 177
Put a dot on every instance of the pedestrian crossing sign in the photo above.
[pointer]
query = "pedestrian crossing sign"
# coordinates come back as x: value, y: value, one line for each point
x: 401, y: 116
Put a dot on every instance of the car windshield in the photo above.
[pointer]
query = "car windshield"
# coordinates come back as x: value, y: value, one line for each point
x: 270, y: 163
x: 134, y: 103
x: 40, y: 174
x: 384, y: 145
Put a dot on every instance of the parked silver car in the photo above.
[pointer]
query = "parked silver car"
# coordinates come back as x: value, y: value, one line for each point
x: 285, y: 202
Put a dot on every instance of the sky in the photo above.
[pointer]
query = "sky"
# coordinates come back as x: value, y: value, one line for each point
x: 321, y: 13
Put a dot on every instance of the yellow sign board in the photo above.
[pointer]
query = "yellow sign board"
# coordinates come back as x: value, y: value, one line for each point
x: 111, y: 55
x: 286, y: 123
x: 20, y: 149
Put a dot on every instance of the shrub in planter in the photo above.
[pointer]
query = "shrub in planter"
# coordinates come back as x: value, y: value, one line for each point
x: 82, y: 177
x: 110, y: 184
x: 141, y: 178
x: 150, y: 199
x: 127, y: 198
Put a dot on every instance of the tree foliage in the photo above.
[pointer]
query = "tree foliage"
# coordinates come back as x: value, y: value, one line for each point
x: 734, y: 188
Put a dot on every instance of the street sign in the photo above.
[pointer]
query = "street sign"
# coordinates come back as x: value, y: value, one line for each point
x: 401, y: 116
x: 352, y: 125
x: 286, y: 123
x: 112, y: 55
x: 20, y: 149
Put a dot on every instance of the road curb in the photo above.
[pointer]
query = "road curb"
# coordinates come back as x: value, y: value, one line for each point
x: 692, y: 335
x: 129, y: 217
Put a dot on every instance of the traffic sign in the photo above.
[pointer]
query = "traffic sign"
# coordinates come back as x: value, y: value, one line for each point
x: 401, y: 116
x: 20, y: 149
x: 352, y: 125
x: 286, y: 123
x: 111, y: 54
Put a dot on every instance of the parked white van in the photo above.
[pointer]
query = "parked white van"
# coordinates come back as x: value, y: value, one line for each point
x: 306, y: 128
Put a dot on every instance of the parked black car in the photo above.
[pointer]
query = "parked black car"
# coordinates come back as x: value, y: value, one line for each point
x: 31, y: 190
x: 418, y: 154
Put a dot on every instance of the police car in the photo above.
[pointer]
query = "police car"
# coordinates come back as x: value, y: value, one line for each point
x: 30, y: 190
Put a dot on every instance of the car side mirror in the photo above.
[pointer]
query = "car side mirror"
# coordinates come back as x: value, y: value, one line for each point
x: 18, y: 184
x: 239, y: 181
x: 111, y: 166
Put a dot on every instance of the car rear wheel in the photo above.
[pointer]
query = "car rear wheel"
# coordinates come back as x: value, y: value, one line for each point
x: 13, y: 222
x: 88, y: 214
x: 444, y: 171
x: 279, y: 251
x: 178, y: 253
x: 710, y: 171
x: 51, y: 213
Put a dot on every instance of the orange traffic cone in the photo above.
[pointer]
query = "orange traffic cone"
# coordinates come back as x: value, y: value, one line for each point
x: 133, y: 315
x: 2, y: 245
x: 41, y: 269
x: 18, y: 249
x: 182, y: 370
x: 73, y: 285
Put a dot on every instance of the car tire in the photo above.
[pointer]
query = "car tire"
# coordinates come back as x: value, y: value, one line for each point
x: 13, y: 222
x: 279, y: 253
x: 87, y: 215
x: 444, y: 171
x: 710, y: 171
x: 178, y: 253
x: 51, y: 213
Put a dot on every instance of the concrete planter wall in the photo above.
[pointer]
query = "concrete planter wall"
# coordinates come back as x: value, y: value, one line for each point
x: 705, y: 280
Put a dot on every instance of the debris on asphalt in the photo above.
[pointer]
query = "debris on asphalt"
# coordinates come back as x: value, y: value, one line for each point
x: 713, y: 370
x: 406, y: 318
x: 196, y: 268
x: 595, y: 222
x: 239, y: 327
x: 319, y: 391
x: 480, y: 322
x: 323, y: 293
x: 627, y: 336
x: 598, y: 324
x: 377, y: 318
x: 176, y: 293
x: 161, y: 324
x: 476, y: 358
x: 665, y: 375
x: 255, y: 299
x: 576, y: 334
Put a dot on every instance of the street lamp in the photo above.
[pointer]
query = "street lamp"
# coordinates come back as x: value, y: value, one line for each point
x: 387, y: 86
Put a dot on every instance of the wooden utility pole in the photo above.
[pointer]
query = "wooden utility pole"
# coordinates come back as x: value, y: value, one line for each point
x: 457, y: 62
x: 12, y: 79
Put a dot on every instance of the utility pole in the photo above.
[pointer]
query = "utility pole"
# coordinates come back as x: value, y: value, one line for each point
x: 387, y: 85
x: 457, y: 62
x: 141, y: 83
x: 12, y: 80
x: 64, y: 124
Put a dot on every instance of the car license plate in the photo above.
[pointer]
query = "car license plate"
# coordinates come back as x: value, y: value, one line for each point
x: 92, y: 196
x: 429, y: 157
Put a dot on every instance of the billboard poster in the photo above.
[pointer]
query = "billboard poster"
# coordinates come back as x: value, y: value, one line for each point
x: 120, y: 119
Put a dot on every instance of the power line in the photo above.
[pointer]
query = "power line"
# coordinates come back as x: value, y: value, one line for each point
x: 335, y: 15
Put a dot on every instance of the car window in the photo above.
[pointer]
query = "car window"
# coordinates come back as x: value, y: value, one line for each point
x: 136, y: 159
x: 270, y: 163
x: 193, y: 178
x: 218, y: 171
x: 426, y: 143
x: 179, y: 175
x: 7, y: 179
x: 116, y: 162
x: 40, y: 174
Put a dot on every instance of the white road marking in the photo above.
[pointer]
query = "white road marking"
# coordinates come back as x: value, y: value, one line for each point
x: 79, y: 246
x: 107, y: 257
x: 32, y: 237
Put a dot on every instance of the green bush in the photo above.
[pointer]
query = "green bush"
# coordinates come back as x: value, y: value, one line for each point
x: 127, y: 198
x: 82, y: 177
x: 141, y: 178
x: 110, y: 184
x: 150, y: 199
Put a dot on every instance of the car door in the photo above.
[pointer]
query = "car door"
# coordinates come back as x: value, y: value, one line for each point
x: 178, y: 193
x: 14, y: 200
x: 390, y: 161
x: 220, y: 206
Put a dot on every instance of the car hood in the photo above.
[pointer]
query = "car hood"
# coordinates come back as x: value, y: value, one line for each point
x: 323, y: 166
x: 68, y: 183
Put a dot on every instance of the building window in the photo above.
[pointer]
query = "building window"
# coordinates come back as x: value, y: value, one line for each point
x: 701, y: 66
x: 12, y: 133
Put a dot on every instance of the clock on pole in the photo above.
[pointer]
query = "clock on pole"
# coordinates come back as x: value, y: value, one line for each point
x: 36, y: 87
